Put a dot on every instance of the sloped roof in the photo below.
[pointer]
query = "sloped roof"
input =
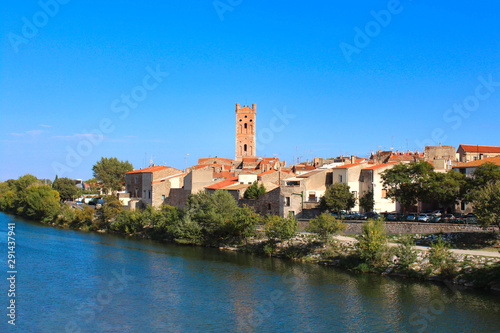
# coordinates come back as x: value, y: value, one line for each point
x: 480, y: 149
x: 476, y: 163
x: 223, y: 184
x: 169, y: 177
x: 150, y: 169
x: 377, y: 166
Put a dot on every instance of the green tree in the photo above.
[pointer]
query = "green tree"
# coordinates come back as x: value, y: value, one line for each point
x: 243, y: 224
x: 404, y: 182
x: 41, y: 202
x: 211, y: 213
x: 254, y: 191
x: 483, y: 175
x: 66, y: 188
x: 111, y: 172
x: 279, y: 229
x: 443, y: 188
x: 325, y: 225
x: 486, y: 205
x: 337, y: 197
x: 366, y: 201
x: 109, y: 211
x: 372, y: 243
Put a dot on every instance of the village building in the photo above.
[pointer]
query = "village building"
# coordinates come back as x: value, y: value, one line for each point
x: 152, y: 185
x: 468, y: 153
x: 371, y: 180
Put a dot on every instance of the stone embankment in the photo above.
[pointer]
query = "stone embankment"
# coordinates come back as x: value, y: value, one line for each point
x: 395, y: 228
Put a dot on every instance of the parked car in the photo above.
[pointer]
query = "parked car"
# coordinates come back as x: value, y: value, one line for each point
x: 423, y: 217
x: 411, y: 217
x: 470, y: 218
x: 370, y: 215
x: 352, y: 216
x: 449, y: 218
x: 392, y: 217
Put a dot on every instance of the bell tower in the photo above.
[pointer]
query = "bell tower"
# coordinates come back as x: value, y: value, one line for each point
x: 245, y: 131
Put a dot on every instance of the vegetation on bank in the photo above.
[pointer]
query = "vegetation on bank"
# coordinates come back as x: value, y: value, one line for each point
x: 217, y: 220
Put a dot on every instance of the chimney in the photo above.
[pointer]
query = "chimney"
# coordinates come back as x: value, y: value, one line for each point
x: 353, y: 159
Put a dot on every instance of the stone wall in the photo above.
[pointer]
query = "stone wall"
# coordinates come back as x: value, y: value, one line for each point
x: 355, y: 227
x: 268, y: 203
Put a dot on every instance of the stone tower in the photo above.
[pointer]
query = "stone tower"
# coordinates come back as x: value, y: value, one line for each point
x: 245, y: 131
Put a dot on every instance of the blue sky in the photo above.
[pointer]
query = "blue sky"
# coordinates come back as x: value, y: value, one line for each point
x: 328, y: 77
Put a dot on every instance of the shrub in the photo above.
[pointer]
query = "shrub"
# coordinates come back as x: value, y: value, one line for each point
x: 372, y: 243
x: 279, y: 229
x: 406, y: 253
x: 326, y: 225
x: 440, y: 257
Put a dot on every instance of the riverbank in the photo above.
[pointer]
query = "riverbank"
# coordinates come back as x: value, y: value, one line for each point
x: 459, y: 267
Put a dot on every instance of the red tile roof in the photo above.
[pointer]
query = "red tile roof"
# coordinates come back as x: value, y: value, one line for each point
x: 480, y: 149
x: 223, y: 174
x: 347, y: 166
x: 477, y: 163
x: 377, y: 166
x: 223, y: 184
x: 266, y: 173
x: 150, y: 169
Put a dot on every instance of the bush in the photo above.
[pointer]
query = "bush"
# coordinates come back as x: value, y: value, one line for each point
x: 279, y: 229
x: 440, y: 257
x: 326, y: 225
x: 406, y: 253
x: 372, y: 243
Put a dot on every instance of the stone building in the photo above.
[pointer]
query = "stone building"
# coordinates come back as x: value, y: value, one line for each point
x: 152, y: 185
x: 245, y: 131
x: 468, y: 153
x: 370, y: 180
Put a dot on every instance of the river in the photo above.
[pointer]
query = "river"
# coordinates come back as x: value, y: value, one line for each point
x: 71, y: 281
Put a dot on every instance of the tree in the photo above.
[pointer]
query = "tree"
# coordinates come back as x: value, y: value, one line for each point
x: 366, y: 201
x: 66, y: 188
x: 111, y: 172
x: 487, y: 205
x: 404, y: 182
x: 326, y: 225
x: 483, y: 175
x: 254, y: 191
x: 212, y: 213
x: 41, y: 202
x: 443, y: 188
x: 372, y: 242
x: 243, y: 224
x: 337, y: 197
x: 280, y: 229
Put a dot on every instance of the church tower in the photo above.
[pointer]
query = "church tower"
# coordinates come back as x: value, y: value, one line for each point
x: 245, y: 131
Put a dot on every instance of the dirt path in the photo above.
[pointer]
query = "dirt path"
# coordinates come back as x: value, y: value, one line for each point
x: 426, y: 248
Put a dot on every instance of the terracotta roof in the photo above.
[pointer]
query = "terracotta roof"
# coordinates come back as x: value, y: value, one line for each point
x: 477, y: 163
x: 395, y: 158
x: 266, y: 173
x: 205, y: 160
x: 347, y: 166
x: 150, y: 169
x: 377, y: 166
x: 223, y: 183
x: 480, y: 149
x: 223, y: 174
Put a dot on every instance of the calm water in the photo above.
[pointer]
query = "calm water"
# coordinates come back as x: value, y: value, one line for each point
x: 71, y: 281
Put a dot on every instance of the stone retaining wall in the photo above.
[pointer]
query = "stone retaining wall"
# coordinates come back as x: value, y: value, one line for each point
x: 354, y: 227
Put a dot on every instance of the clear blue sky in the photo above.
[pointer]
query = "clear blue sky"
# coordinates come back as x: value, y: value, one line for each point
x: 347, y: 93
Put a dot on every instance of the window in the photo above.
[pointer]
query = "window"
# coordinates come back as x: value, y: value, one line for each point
x: 163, y: 197
x: 384, y: 194
x: 245, y: 125
x: 312, y: 196
x: 245, y: 147
x: 149, y: 194
x: 340, y: 178
x: 462, y: 205
x: 268, y: 206
x: 135, y: 178
x: 287, y: 201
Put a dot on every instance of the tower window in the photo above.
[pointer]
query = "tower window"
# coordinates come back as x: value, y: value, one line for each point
x: 245, y: 125
x: 251, y: 120
x: 245, y: 147
x: 245, y: 116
